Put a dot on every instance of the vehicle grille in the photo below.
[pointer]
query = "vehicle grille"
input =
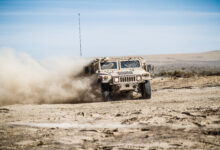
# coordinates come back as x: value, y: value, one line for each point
x: 127, y: 79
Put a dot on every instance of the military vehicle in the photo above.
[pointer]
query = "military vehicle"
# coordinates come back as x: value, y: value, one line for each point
x: 121, y: 75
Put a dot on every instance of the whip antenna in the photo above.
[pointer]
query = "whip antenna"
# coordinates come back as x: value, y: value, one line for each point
x: 80, y: 45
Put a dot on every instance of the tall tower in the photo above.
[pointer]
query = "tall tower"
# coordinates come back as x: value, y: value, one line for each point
x: 80, y: 45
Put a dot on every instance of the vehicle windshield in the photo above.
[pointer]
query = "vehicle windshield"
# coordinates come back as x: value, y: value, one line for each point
x: 130, y: 64
x: 108, y: 65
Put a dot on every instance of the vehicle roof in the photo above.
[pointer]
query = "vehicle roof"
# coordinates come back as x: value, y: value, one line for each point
x: 119, y: 58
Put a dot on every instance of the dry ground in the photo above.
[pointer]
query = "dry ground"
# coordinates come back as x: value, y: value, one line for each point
x: 183, y: 113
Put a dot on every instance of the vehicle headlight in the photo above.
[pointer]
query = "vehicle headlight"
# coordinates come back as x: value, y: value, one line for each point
x: 105, y: 77
x: 116, y: 79
x: 138, y: 78
x: 146, y: 74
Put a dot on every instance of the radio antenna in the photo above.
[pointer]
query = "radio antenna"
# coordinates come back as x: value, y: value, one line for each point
x: 80, y: 45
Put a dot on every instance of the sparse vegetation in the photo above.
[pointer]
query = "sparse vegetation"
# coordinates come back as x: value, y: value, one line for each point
x: 182, y: 74
x: 186, y: 69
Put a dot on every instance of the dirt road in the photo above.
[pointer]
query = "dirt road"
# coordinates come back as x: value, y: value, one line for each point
x: 182, y: 114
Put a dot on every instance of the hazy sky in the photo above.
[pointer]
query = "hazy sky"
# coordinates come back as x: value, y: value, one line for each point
x: 45, y: 28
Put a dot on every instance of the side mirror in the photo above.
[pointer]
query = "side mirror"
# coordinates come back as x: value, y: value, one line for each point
x: 150, y: 68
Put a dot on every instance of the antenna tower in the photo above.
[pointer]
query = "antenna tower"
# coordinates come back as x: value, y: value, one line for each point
x: 80, y: 45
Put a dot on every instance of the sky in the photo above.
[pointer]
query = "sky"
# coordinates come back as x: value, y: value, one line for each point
x: 46, y: 28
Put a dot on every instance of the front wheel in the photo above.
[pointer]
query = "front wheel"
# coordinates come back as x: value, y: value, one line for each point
x: 106, y: 95
x: 146, y: 90
x: 105, y: 88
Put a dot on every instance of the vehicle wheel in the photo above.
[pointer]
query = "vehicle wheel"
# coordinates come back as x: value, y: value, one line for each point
x: 146, y: 93
x: 106, y: 95
x: 105, y: 91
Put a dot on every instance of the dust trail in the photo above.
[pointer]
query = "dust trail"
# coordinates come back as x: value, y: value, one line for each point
x: 54, y: 80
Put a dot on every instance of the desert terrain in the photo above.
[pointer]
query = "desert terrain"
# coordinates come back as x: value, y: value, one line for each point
x: 183, y: 113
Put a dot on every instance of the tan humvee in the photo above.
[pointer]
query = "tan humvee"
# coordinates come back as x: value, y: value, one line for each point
x: 121, y: 75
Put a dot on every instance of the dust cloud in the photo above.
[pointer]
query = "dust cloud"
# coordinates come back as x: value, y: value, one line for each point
x: 23, y: 80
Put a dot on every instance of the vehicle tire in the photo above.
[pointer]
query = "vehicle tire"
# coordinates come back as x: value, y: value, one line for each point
x: 105, y: 91
x: 106, y: 95
x: 146, y: 93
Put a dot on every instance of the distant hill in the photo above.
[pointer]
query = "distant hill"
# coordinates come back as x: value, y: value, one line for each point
x: 205, y: 56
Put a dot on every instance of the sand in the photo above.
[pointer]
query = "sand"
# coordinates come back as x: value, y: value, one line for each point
x: 183, y: 113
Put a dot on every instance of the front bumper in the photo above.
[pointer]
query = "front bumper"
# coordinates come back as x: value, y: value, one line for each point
x: 126, y: 86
